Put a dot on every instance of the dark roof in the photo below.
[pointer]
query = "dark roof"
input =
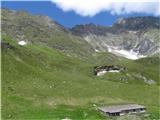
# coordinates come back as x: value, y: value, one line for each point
x: 119, y: 108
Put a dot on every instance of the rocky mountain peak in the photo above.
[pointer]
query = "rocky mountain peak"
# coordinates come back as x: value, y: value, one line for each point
x: 133, y: 37
x: 137, y: 23
x: 121, y: 21
x: 90, y: 28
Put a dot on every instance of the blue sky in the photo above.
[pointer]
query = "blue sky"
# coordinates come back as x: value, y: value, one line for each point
x: 69, y: 18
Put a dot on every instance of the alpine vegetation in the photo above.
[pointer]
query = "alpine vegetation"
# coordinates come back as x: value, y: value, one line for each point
x: 51, y: 72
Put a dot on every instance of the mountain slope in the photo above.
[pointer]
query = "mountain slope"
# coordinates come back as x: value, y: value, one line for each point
x: 132, y: 37
x: 39, y: 82
x: 51, y: 77
x: 41, y: 29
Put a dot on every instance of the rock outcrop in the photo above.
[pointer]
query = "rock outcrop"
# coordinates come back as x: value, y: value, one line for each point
x: 101, y: 70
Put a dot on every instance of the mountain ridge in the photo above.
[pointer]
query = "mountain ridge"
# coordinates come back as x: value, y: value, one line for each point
x: 37, y: 29
x: 125, y: 35
x: 130, y: 35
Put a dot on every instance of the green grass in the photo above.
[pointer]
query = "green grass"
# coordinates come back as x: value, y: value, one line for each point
x: 41, y: 83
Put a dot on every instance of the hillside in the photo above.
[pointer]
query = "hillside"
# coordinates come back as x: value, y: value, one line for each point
x: 51, y: 77
x: 23, y: 26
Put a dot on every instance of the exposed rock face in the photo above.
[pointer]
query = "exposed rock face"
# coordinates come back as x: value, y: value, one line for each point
x: 137, y: 34
x: 138, y: 23
x: 101, y: 70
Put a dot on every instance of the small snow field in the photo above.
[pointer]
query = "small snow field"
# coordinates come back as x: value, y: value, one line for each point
x: 113, y: 71
x: 96, y: 50
x: 101, y: 73
x: 127, y: 54
x: 22, y: 43
x: 104, y: 72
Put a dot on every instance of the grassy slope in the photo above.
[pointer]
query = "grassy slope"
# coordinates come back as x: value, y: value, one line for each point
x: 42, y: 30
x: 38, y: 82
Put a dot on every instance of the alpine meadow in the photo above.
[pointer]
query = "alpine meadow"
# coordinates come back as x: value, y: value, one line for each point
x: 52, y: 72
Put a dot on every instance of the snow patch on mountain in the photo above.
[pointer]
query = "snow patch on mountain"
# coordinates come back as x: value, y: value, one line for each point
x: 22, y: 43
x: 124, y: 53
x: 96, y: 50
x: 101, y: 73
x: 104, y: 71
x: 66, y: 119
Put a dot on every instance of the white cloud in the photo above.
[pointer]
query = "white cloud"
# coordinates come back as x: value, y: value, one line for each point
x: 93, y: 7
